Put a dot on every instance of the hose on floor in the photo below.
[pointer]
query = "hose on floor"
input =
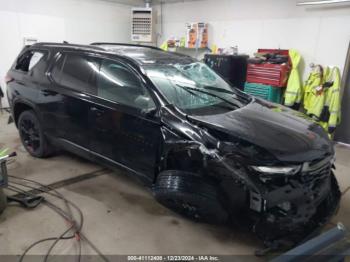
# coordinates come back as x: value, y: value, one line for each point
x: 74, y: 225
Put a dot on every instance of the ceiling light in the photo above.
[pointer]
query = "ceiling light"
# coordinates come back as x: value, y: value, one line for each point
x: 324, y: 2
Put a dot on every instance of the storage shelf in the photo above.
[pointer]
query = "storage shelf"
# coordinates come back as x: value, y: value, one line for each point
x: 189, y: 49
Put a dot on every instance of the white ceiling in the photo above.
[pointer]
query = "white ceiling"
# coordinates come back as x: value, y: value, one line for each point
x: 142, y: 2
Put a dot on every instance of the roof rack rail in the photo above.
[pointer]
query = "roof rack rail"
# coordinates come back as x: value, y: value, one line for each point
x: 122, y: 44
x: 62, y: 44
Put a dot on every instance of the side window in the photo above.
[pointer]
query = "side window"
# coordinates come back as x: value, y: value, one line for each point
x: 117, y: 83
x: 79, y: 73
x: 29, y: 60
x: 36, y: 57
x: 56, y: 71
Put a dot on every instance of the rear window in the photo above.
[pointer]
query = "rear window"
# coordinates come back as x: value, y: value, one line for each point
x: 29, y: 60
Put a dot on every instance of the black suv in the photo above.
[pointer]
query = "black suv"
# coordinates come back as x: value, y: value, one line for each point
x: 206, y: 149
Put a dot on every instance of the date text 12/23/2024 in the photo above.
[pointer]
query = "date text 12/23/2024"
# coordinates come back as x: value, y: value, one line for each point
x: 174, y: 258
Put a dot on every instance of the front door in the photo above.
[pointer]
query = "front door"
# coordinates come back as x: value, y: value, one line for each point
x: 121, y: 131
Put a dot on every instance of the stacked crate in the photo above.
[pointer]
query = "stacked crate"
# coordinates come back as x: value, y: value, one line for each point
x: 268, y: 80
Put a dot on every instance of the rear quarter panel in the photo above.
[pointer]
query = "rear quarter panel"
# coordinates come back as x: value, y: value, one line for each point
x: 24, y: 87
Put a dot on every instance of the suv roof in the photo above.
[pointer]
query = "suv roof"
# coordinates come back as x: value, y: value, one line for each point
x: 142, y: 54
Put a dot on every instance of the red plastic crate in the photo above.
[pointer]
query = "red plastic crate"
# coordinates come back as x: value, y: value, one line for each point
x: 269, y: 74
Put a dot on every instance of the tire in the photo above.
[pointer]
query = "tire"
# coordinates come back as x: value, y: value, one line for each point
x: 32, y: 136
x: 3, y: 201
x: 191, y: 196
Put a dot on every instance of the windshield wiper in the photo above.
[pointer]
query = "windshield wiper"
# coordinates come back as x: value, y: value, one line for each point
x: 237, y: 92
x: 218, y: 89
x: 208, y: 93
x: 190, y: 92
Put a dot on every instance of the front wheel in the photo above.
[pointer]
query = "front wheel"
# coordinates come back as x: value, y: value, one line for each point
x: 191, y: 196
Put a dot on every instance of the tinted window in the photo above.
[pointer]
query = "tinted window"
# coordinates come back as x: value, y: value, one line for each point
x: 118, y: 83
x: 79, y: 72
x: 56, y: 71
x: 29, y: 60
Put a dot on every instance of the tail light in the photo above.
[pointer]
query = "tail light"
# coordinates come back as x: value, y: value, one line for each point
x: 8, y: 79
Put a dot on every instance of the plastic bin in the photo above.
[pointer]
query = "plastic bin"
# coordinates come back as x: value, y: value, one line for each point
x: 271, y: 93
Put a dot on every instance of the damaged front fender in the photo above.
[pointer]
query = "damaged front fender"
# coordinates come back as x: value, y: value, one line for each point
x: 195, y: 156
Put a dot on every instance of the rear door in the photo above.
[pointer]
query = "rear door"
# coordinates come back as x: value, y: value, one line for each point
x: 68, y: 98
x: 122, y: 132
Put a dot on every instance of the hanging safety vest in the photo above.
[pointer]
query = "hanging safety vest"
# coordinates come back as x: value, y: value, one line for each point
x: 331, y: 113
x: 322, y: 97
x: 314, y: 96
x: 294, y: 90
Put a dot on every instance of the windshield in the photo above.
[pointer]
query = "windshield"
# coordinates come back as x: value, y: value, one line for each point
x: 194, y: 88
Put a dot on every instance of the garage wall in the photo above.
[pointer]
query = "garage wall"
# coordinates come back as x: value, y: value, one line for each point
x: 76, y: 21
x: 321, y: 34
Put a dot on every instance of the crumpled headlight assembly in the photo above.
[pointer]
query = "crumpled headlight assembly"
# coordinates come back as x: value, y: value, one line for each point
x: 271, y: 170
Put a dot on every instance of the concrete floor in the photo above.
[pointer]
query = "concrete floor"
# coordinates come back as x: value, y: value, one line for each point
x: 121, y: 216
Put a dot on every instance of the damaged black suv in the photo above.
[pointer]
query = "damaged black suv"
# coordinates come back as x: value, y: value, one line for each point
x: 207, y: 150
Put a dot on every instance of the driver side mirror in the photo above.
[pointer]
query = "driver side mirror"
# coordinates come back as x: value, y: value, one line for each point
x: 146, y: 104
x: 149, y: 112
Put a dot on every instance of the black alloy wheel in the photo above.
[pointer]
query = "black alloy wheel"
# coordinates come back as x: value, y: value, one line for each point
x: 32, y: 136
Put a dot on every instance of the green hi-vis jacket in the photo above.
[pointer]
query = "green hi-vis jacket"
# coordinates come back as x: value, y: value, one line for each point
x: 332, y: 109
x: 294, y: 90
x: 313, y: 100
x: 322, y: 97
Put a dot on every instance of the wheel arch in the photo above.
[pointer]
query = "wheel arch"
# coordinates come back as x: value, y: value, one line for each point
x: 19, y: 107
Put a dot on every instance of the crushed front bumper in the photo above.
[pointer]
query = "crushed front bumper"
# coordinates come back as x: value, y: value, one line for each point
x: 285, y: 210
x: 294, y: 211
x: 291, y: 213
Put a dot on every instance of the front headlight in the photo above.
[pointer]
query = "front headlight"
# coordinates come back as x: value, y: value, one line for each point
x: 290, y: 170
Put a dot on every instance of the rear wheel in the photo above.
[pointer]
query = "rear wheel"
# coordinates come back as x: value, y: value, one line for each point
x: 32, y: 135
x: 3, y: 201
x: 191, y: 196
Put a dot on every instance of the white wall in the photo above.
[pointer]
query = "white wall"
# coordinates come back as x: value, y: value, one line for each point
x: 321, y: 34
x: 75, y: 21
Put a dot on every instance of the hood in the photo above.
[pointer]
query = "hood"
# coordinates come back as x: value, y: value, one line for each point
x: 287, y: 135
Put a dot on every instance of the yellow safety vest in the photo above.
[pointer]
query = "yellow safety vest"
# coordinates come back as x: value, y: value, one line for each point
x: 294, y: 90
x: 331, y: 115
x: 313, y: 100
x: 321, y: 102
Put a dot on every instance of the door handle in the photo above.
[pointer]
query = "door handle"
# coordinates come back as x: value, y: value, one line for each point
x: 48, y: 93
x: 96, y: 111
